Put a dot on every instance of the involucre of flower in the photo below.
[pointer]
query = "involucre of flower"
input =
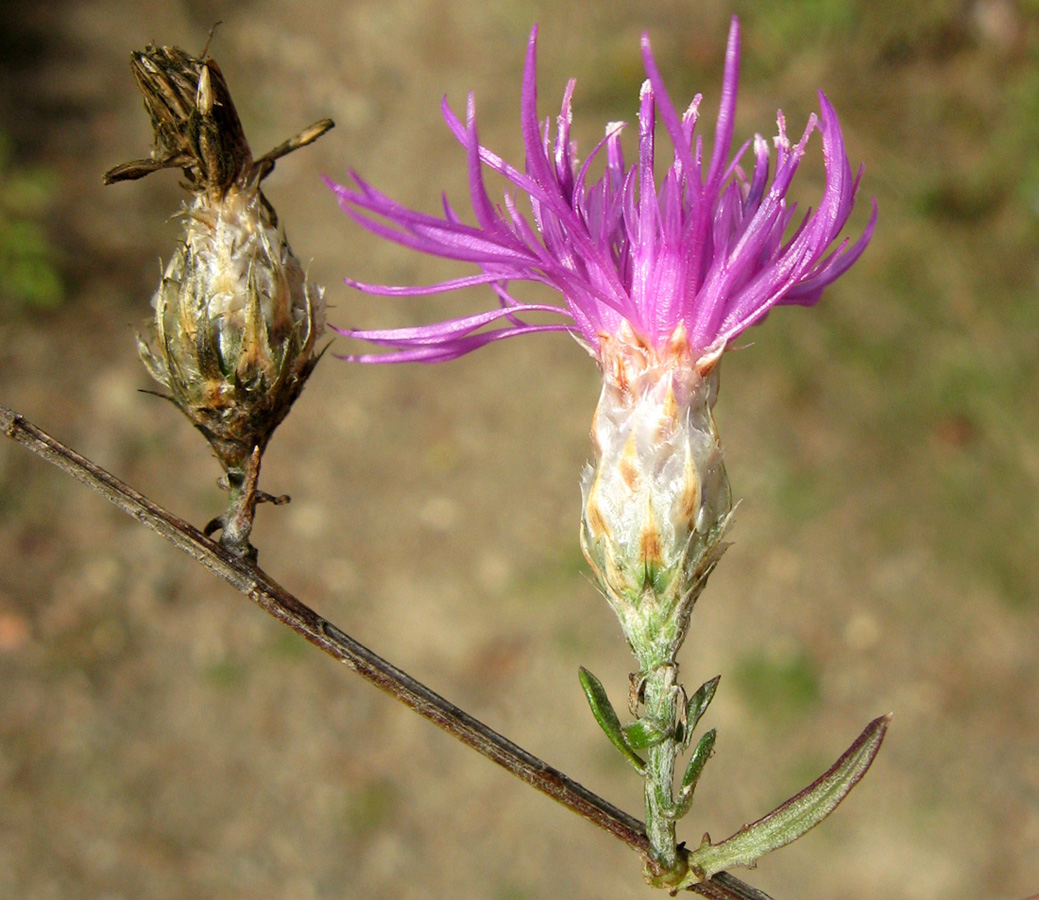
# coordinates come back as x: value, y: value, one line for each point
x: 236, y: 324
x: 656, y: 497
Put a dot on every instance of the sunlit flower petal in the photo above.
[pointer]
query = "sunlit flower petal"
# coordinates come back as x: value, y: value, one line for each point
x: 712, y: 251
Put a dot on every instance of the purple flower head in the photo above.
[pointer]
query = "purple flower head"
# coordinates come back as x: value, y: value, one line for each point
x: 680, y: 265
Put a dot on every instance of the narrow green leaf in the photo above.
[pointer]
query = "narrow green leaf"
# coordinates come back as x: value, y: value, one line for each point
x: 792, y: 819
x: 697, y: 761
x: 606, y: 716
x: 697, y: 706
x: 642, y: 735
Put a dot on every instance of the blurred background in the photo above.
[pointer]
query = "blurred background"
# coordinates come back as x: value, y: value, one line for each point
x: 162, y: 738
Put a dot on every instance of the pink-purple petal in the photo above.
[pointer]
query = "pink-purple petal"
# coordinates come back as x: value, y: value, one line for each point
x: 711, y: 252
x: 451, y: 349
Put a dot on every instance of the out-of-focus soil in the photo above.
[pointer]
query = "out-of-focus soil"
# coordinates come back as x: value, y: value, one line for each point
x: 162, y: 738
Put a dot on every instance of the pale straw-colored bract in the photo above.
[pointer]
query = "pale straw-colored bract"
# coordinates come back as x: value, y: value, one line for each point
x: 709, y: 247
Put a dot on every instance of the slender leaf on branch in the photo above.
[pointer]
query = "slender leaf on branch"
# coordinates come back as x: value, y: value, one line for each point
x: 643, y: 734
x: 800, y: 813
x: 693, y: 771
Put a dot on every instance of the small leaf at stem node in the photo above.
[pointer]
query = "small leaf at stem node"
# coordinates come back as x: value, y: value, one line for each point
x: 607, y: 718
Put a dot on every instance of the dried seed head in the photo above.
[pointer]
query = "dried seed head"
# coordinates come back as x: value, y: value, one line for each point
x: 236, y: 323
x: 234, y: 335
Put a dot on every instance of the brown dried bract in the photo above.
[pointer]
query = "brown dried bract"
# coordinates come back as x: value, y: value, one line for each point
x: 196, y: 125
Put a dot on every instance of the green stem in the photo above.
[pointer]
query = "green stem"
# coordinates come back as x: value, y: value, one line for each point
x: 241, y: 509
x: 661, y: 708
x: 236, y: 524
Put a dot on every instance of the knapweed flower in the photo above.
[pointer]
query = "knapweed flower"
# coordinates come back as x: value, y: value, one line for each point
x: 658, y: 276
x: 707, y: 248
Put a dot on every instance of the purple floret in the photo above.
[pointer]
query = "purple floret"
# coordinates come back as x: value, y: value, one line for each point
x: 711, y: 253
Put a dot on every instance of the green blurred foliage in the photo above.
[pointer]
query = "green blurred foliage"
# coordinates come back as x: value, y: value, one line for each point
x: 287, y: 645
x: 369, y: 806
x: 29, y: 276
x: 225, y: 673
x: 778, y: 687
x: 922, y: 364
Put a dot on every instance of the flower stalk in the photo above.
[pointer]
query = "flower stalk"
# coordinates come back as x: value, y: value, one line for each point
x: 660, y: 699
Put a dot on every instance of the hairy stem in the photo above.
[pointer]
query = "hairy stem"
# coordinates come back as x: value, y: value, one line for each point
x: 661, y: 708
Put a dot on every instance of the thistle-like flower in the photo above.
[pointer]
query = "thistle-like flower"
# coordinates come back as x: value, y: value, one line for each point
x: 658, y: 276
x: 657, y: 279
x: 236, y: 325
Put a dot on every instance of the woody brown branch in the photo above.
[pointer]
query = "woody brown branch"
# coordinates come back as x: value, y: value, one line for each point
x: 252, y: 581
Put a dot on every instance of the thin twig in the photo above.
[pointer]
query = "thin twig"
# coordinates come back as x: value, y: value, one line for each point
x: 252, y: 581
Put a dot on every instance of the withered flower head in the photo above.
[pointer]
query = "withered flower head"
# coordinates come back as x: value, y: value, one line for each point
x: 195, y: 122
x: 236, y: 322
